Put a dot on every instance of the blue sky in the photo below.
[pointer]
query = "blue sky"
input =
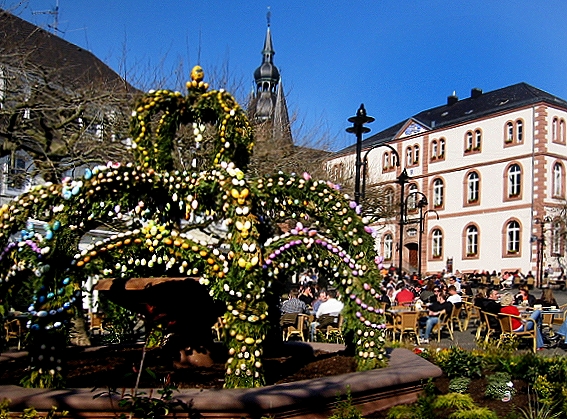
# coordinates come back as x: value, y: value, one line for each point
x: 398, y: 57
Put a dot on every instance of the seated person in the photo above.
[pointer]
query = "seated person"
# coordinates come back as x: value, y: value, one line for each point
x: 404, y: 296
x: 490, y: 305
x: 547, y: 298
x: 560, y: 337
x: 306, y: 295
x: 524, y: 298
x: 327, y: 313
x: 454, y: 297
x: 293, y: 304
x: 453, y: 281
x: 321, y: 298
x: 507, y: 308
x: 435, y: 310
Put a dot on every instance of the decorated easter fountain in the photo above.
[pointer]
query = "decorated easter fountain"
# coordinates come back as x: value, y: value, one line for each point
x: 155, y: 211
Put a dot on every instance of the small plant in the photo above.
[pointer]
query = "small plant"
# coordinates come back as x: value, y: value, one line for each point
x: 452, y: 405
x: 459, y: 385
x: 539, y: 410
x: 500, y: 386
x: 459, y: 362
x: 509, y: 342
x: 29, y: 413
x: 345, y: 409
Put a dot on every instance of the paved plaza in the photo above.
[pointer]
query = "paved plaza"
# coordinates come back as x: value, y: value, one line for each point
x: 466, y: 339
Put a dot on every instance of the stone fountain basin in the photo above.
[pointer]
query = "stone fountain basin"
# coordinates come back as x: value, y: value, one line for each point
x: 400, y: 382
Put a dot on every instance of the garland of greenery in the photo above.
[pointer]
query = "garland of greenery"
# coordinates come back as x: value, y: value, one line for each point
x: 327, y: 232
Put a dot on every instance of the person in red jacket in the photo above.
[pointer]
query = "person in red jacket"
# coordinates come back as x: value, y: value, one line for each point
x: 404, y: 296
x: 507, y: 308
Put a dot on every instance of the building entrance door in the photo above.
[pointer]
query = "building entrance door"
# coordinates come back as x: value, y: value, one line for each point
x: 413, y: 256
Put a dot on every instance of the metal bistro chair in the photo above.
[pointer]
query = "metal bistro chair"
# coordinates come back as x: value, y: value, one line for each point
x: 525, y: 333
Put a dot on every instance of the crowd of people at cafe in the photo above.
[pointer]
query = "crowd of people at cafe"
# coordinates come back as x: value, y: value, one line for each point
x: 439, y: 295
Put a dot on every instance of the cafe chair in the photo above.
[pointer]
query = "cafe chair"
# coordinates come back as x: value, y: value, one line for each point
x: 443, y: 323
x: 333, y: 331
x: 294, y: 324
x: 472, y: 314
x: 489, y: 325
x: 560, y: 319
x: 406, y: 322
x: 95, y: 324
x: 13, y: 330
x: 530, y: 282
x: 455, y: 318
x: 217, y: 329
x: 390, y: 321
x: 524, y: 333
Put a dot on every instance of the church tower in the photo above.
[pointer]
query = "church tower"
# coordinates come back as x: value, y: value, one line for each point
x: 268, y: 108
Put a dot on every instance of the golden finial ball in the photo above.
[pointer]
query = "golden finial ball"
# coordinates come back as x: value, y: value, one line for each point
x: 197, y: 73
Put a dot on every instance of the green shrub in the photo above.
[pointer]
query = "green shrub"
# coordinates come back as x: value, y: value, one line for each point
x: 459, y: 385
x: 459, y: 362
x: 499, y: 386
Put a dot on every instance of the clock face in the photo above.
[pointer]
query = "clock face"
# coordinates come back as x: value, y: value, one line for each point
x: 413, y: 129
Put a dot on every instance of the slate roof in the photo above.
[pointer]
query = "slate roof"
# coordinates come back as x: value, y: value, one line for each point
x: 496, y: 101
x: 21, y: 40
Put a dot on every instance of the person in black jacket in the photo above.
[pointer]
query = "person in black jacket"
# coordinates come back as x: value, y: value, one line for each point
x: 490, y: 305
x: 524, y: 298
x: 435, y: 310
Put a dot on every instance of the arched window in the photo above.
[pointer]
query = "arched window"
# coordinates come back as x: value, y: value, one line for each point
x: 509, y: 132
x: 514, y: 181
x: 555, y: 129
x: 386, y: 161
x: 441, y: 154
x: 562, y: 130
x: 416, y: 154
x: 438, y: 189
x: 388, y: 246
x: 557, y: 180
x: 477, y: 140
x: 411, y: 200
x: 469, y: 141
x: 409, y: 156
x: 519, y: 131
x: 437, y: 243
x: 473, y: 187
x: 513, y: 237
x: 434, y: 149
x: 472, y: 241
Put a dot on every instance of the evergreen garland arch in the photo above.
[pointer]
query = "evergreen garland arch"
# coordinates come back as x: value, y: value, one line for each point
x: 150, y: 199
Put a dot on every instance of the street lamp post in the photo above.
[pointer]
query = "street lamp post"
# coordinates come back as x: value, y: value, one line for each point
x: 402, y: 180
x: 365, y: 163
x: 540, y: 247
x: 421, y: 228
x: 358, y: 129
x: 421, y: 204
